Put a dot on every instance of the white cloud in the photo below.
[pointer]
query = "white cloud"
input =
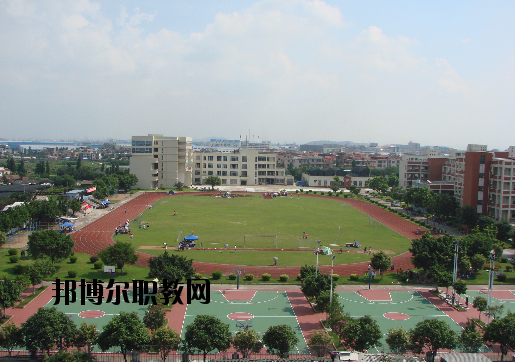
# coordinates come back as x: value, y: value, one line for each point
x: 450, y: 81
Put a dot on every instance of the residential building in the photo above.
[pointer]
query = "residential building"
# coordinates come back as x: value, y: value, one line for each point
x: 161, y: 162
x: 243, y: 167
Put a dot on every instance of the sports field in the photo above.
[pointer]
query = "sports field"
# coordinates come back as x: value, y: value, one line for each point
x: 238, y: 221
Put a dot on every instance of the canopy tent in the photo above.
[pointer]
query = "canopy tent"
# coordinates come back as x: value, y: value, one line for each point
x: 106, y: 202
x: 326, y: 250
x: 66, y: 224
x: 191, y: 237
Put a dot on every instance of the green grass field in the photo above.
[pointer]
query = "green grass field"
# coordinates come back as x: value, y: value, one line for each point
x: 219, y: 221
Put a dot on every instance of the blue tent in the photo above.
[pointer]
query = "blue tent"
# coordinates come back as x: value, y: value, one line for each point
x: 66, y: 224
x: 170, y: 192
x: 191, y: 237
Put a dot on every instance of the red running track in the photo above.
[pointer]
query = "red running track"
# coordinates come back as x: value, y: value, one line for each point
x: 98, y: 235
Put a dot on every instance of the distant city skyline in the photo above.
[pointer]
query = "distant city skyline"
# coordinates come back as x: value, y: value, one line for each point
x: 435, y: 73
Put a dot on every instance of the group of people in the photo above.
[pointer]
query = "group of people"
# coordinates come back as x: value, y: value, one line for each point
x: 123, y: 229
x: 144, y: 226
x: 369, y: 250
x: 186, y: 244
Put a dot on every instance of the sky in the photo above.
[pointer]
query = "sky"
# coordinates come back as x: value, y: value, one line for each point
x: 434, y: 72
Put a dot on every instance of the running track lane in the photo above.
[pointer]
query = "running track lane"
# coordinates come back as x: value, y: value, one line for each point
x: 98, y: 235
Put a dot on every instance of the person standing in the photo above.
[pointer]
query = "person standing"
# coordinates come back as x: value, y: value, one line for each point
x: 234, y: 248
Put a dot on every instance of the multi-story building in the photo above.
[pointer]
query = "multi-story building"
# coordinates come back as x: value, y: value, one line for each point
x: 161, y: 162
x: 501, y: 202
x: 243, y: 167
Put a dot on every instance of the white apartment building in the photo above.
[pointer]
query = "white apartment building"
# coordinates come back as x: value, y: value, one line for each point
x: 501, y: 205
x: 243, y: 167
x: 161, y: 162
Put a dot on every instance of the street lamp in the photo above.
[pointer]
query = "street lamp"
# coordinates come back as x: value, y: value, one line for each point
x: 331, y: 291
x: 455, y: 271
x: 316, y: 270
x: 490, y: 284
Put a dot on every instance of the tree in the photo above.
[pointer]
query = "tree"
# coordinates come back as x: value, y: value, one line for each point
x: 22, y: 171
x: 397, y: 340
x: 335, y: 185
x: 155, y: 317
x: 170, y: 267
x: 3, y: 239
x: 11, y: 337
x: 86, y: 336
x: 478, y: 242
x: 468, y: 216
x: 416, y: 196
x: 247, y: 341
x: 480, y: 304
x: 55, y: 245
x: 307, y: 270
x: 501, y: 331
x: 213, y: 181
x: 166, y: 339
x: 484, y: 222
x: 504, y: 230
x: 494, y: 311
x: 433, y: 334
x: 471, y: 339
x: 378, y: 183
x: 393, y: 181
x: 321, y: 343
x: 353, y: 189
x: 119, y: 254
x: 206, y: 334
x: 126, y: 331
x: 361, y: 334
x: 79, y: 162
x: 280, y: 339
x: 430, y: 250
x: 38, y: 270
x: 178, y: 186
x: 380, y: 261
x: 75, y: 206
x: 10, y: 293
x: 440, y: 275
x: 477, y: 262
x: 46, y: 329
x: 325, y: 303
x: 312, y: 286
x: 460, y: 287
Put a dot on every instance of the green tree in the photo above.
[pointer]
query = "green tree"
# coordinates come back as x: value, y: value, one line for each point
x: 430, y: 250
x: 75, y: 206
x: 11, y: 337
x: 471, y: 339
x: 126, y: 331
x: 280, y: 340
x: 178, y: 186
x: 501, y: 331
x: 47, y: 169
x: 335, y: 185
x: 247, y: 341
x: 397, y: 340
x: 119, y: 254
x: 460, y: 287
x: 206, y: 334
x: 378, y: 184
x: 166, y: 339
x: 39, y: 270
x: 468, y: 216
x: 393, y: 181
x: 170, y: 267
x: 10, y: 293
x: 86, y: 336
x: 11, y: 164
x: 362, y: 334
x: 213, y: 181
x: 46, y: 329
x: 477, y: 262
x: 433, y: 334
x: 504, y: 230
x: 441, y: 276
x: 155, y: 317
x: 312, y: 286
x: 3, y: 239
x: 307, y: 270
x: 380, y: 261
x: 416, y: 196
x: 22, y: 171
x: 480, y: 304
x: 321, y: 343
x: 57, y: 246
x: 79, y: 162
x: 484, y: 222
x: 494, y: 311
x: 477, y: 243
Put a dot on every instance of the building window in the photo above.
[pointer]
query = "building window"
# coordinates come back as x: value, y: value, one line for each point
x: 204, y: 165
x: 244, y: 166
x: 234, y: 181
x: 224, y: 181
x: 243, y: 173
x: 197, y: 157
x: 197, y: 165
x: 234, y: 158
x: 224, y: 158
x: 219, y: 158
x: 197, y: 172
x: 243, y: 158
x: 210, y: 158
x: 482, y: 159
x: 233, y: 173
x: 210, y: 173
x: 219, y: 173
x: 209, y: 165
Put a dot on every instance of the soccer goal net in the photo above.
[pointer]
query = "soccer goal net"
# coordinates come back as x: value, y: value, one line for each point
x: 260, y: 241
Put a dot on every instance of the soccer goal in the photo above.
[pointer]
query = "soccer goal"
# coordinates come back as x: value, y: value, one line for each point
x: 304, y: 244
x: 260, y: 241
x: 373, y: 222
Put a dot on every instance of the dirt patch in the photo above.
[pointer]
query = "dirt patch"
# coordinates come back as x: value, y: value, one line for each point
x: 118, y: 197
x: 150, y: 247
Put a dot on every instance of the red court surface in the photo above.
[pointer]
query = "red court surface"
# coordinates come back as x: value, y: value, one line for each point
x: 375, y: 295
x: 501, y: 294
x: 238, y: 294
